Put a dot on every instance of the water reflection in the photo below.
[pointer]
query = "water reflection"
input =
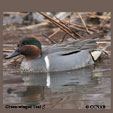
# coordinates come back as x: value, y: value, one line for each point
x: 33, y: 95
x: 59, y: 85
x: 56, y: 80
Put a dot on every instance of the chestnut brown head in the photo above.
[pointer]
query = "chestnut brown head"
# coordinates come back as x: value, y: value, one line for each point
x: 28, y: 46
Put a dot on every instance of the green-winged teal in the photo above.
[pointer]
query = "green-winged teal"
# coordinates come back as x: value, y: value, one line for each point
x: 59, y: 57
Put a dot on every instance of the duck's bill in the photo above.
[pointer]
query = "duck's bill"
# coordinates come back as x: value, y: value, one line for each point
x: 15, y: 53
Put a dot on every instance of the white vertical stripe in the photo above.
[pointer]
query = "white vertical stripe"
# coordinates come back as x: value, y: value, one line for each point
x: 47, y: 62
x: 48, y: 80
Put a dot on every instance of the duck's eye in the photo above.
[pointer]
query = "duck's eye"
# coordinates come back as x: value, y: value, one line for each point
x: 24, y: 43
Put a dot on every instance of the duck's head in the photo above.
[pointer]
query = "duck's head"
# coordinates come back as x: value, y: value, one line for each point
x: 28, y: 46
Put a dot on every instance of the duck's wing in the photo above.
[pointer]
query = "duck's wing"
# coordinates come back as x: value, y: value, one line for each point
x: 72, y: 46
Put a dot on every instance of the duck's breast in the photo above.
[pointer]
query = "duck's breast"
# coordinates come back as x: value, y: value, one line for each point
x: 35, y: 65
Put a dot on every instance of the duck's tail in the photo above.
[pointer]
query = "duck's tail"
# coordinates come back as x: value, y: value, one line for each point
x: 97, y: 53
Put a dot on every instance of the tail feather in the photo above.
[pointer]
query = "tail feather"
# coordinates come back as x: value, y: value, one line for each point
x: 97, y: 53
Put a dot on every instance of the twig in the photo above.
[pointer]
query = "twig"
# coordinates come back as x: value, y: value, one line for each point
x: 80, y: 26
x: 62, y: 22
x: 101, y: 17
x: 49, y: 39
x: 54, y: 33
x: 59, y: 101
x: 8, y: 50
x: 70, y: 17
x: 58, y: 24
x: 106, y: 53
x: 70, y: 30
x: 63, y: 37
x: 33, y: 26
x: 83, y: 22
x: 104, y: 20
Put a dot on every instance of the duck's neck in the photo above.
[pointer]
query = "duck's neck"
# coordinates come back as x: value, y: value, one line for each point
x: 31, y: 57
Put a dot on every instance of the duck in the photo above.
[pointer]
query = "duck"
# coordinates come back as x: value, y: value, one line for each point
x: 65, y: 56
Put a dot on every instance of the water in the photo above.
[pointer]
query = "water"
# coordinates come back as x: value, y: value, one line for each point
x: 64, y: 90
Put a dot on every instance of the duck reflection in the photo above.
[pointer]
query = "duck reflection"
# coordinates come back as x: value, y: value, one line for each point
x: 43, y: 85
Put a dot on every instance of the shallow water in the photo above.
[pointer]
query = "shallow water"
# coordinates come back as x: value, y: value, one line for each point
x: 64, y: 90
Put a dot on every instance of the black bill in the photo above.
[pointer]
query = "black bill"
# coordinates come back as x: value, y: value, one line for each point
x: 15, y: 53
